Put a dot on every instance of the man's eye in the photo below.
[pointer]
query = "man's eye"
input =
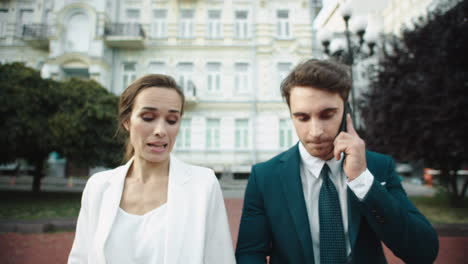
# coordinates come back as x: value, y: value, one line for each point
x: 304, y: 118
x: 171, y: 122
x: 327, y: 116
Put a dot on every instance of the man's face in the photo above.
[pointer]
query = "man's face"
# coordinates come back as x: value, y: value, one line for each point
x: 316, y: 116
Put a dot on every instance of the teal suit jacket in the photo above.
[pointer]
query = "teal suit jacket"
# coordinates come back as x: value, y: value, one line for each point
x: 275, y: 223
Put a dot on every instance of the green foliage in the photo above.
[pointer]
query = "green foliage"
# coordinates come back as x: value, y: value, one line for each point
x: 26, y: 103
x: 77, y: 118
x: 418, y: 104
x: 85, y: 125
x: 417, y: 107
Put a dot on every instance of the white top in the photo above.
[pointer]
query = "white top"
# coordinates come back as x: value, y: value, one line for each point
x: 137, y: 238
x: 311, y: 183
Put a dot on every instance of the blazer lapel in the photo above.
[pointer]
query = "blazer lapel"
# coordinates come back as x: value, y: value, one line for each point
x: 178, y: 211
x: 109, y: 206
x: 292, y: 188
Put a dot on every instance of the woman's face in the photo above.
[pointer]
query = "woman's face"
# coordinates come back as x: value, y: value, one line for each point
x: 154, y: 123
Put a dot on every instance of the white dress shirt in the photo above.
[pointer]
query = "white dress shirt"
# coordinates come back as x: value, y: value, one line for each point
x: 312, y: 182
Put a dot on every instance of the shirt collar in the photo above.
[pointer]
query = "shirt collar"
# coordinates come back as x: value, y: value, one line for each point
x: 315, y: 165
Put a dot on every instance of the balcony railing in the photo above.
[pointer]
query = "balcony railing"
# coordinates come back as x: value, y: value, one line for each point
x: 36, y: 35
x: 124, y: 35
x: 124, y: 29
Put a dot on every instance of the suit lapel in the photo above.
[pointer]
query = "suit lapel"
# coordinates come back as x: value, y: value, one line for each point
x: 109, y: 206
x: 292, y: 188
x: 178, y: 211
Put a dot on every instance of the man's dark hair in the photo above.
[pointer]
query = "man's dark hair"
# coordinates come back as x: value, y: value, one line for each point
x: 325, y: 75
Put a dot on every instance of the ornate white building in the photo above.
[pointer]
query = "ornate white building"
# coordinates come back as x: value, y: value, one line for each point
x: 229, y: 57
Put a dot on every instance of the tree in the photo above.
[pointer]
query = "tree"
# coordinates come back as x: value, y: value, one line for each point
x: 26, y: 103
x: 417, y: 105
x: 84, y: 128
x: 77, y: 118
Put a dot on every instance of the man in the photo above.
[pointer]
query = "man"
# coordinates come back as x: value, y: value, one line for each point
x: 328, y: 200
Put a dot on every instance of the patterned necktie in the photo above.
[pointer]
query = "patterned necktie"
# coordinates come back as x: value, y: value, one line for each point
x: 332, y: 239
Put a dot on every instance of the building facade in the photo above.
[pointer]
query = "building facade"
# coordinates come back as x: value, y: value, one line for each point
x: 228, y: 56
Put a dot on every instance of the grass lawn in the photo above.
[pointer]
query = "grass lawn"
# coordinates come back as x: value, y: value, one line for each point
x: 16, y: 205
x: 437, y: 209
x: 24, y: 206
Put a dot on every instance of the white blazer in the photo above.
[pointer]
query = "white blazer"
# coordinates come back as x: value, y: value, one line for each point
x: 197, y: 231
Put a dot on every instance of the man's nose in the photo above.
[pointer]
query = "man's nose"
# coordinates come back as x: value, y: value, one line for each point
x: 315, y: 129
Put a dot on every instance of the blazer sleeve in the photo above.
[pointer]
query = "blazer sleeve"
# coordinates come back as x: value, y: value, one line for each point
x: 253, y: 244
x: 80, y: 248
x: 397, y: 222
x: 218, y: 241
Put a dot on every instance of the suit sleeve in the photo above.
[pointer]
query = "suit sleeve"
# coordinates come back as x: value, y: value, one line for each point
x: 80, y: 248
x: 397, y: 222
x: 218, y: 244
x: 253, y: 244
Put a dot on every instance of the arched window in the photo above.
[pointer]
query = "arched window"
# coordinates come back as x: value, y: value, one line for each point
x: 77, y: 33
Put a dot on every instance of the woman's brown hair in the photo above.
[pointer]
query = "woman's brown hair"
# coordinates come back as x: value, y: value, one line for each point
x: 127, y: 100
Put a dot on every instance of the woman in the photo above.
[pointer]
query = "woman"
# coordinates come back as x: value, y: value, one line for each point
x: 155, y: 208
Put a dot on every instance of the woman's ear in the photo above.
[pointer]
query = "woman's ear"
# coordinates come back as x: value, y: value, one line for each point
x: 126, y: 125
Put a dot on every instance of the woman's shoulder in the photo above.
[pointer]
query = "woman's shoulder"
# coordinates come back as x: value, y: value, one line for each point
x: 199, y: 172
x: 102, y: 177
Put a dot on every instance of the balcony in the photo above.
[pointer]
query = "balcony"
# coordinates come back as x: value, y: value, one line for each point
x: 36, y: 35
x: 124, y: 35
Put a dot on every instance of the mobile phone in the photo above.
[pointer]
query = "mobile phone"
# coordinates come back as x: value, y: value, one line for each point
x: 347, y: 110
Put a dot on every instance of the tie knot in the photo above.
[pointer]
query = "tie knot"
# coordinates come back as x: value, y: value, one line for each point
x: 325, y: 171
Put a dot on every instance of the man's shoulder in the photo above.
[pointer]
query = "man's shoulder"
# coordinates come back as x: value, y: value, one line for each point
x: 378, y: 160
x: 377, y: 156
x: 276, y: 160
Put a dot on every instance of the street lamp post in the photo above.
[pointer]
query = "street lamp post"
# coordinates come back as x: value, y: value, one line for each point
x: 352, y: 50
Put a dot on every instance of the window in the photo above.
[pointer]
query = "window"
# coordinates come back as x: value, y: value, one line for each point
x: 159, y: 29
x: 212, y: 133
x: 214, y: 76
x: 157, y: 67
x: 241, y: 78
x: 3, y: 21
x: 186, y: 23
x: 213, y: 30
x: 285, y: 133
x: 184, y: 137
x: 185, y: 70
x: 129, y: 74
x: 25, y: 18
x: 242, y: 134
x: 133, y: 15
x: 282, y: 27
x: 283, y: 69
x: 241, y: 24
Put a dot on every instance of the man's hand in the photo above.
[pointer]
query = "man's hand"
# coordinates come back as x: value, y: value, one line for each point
x: 355, y: 149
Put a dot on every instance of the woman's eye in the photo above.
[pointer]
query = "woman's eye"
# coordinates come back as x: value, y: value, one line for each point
x: 147, y: 118
x: 172, y: 122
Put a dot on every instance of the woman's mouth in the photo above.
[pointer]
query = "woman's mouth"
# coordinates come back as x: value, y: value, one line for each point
x: 157, y: 147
